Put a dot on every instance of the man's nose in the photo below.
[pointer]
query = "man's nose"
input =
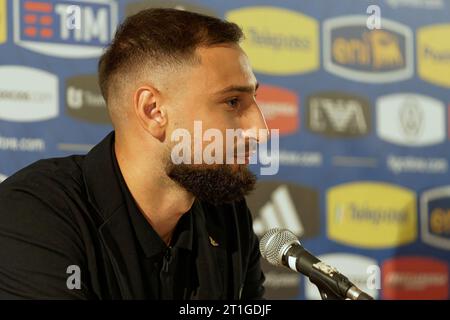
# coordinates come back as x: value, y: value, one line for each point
x: 255, y: 126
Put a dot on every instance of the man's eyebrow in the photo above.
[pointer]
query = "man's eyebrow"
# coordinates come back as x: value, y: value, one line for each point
x: 245, y: 89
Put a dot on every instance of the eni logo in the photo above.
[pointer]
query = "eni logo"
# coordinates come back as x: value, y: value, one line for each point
x: 435, y: 217
x: 278, y: 41
x: 375, y: 50
x: 354, y: 52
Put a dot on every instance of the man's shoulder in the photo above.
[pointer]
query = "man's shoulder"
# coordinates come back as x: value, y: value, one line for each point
x: 41, y: 229
x: 55, y: 189
x: 50, y: 189
x: 45, y: 176
x: 45, y: 202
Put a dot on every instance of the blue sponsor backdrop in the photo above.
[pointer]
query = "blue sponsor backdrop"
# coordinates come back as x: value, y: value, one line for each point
x: 35, y: 37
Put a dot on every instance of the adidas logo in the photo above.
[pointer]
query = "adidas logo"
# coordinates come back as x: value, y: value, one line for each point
x: 279, y: 212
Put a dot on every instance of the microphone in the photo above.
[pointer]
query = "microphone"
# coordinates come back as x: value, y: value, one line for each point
x: 280, y: 247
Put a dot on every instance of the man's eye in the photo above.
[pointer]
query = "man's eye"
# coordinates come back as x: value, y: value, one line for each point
x: 233, y: 103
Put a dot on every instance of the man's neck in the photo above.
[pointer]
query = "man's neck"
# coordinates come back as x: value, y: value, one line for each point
x: 160, y: 200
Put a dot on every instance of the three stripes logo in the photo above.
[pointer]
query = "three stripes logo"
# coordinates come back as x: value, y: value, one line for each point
x: 279, y: 212
x: 282, y: 205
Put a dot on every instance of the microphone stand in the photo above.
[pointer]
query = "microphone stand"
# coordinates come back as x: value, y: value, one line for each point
x: 287, y: 249
x: 332, y: 285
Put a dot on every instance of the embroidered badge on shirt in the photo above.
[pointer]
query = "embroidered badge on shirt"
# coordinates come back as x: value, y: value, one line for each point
x: 213, y: 242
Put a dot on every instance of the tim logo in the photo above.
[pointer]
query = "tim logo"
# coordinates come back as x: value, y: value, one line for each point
x: 354, y: 52
x: 281, y: 205
x: 280, y: 108
x: 336, y: 114
x: 435, y: 216
x: 44, y: 27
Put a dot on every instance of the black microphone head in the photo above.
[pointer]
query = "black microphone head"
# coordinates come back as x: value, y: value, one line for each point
x: 274, y: 243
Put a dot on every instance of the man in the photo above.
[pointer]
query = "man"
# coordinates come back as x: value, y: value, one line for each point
x: 128, y: 221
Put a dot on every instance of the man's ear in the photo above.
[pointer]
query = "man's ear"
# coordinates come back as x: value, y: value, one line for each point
x: 151, y: 115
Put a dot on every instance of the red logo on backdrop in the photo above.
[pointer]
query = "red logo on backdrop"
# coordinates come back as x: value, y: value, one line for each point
x: 280, y: 107
x: 38, y: 17
x: 410, y: 278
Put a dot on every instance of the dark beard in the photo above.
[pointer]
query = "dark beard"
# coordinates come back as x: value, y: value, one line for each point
x: 216, y: 184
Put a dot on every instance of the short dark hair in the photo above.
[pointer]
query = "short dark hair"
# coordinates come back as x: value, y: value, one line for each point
x: 163, y: 36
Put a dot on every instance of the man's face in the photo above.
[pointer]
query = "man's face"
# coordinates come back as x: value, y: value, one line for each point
x: 217, y: 94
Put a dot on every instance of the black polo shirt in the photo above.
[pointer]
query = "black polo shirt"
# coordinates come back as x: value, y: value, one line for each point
x: 77, y: 212
x: 168, y: 270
